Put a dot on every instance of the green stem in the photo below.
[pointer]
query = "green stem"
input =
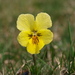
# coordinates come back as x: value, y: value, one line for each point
x: 34, y: 60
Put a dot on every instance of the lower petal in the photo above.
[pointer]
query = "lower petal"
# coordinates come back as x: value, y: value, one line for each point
x: 41, y: 44
x: 35, y: 48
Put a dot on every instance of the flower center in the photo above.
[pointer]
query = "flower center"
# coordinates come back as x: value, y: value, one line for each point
x: 35, y: 39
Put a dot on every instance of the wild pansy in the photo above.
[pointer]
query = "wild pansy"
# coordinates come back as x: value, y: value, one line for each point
x: 34, y: 31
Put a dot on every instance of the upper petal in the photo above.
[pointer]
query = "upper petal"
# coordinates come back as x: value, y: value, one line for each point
x: 25, y: 22
x: 35, y: 48
x: 43, y: 21
x: 23, y: 38
x: 46, y: 35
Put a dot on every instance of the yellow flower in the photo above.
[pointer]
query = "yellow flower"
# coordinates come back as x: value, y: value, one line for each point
x: 34, y: 31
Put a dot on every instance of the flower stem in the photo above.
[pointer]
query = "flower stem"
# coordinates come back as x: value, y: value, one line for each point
x: 34, y: 60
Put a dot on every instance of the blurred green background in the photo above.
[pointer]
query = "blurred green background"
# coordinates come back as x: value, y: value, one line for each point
x: 62, y: 13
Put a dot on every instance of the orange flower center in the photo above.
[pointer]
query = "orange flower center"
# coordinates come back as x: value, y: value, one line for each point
x: 35, y: 39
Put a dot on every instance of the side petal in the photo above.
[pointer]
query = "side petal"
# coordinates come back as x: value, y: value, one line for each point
x: 43, y: 21
x: 46, y: 35
x: 23, y: 38
x: 34, y: 48
x: 25, y: 22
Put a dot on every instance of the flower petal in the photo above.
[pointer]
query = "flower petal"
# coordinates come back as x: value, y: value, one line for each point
x: 43, y: 21
x: 35, y: 48
x: 25, y: 22
x: 46, y: 35
x: 23, y: 38
x: 40, y: 44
